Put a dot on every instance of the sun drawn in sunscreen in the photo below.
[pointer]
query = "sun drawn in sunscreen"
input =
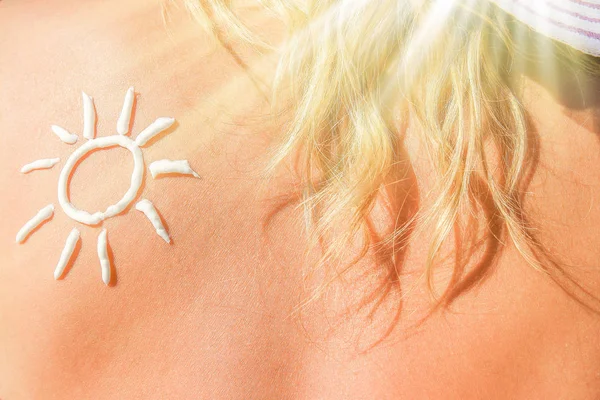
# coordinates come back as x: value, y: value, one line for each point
x: 134, y: 146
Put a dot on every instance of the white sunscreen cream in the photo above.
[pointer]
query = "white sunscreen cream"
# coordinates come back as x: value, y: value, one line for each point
x: 162, y: 167
x: 66, y: 254
x: 145, y: 138
x: 125, y: 117
x: 148, y: 209
x: 103, y: 257
x: 89, y: 116
x: 155, y: 128
x: 40, y: 164
x: 43, y: 215
x: 136, y: 179
x: 64, y: 135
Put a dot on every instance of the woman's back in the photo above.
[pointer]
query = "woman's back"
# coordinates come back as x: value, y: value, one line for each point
x: 225, y: 310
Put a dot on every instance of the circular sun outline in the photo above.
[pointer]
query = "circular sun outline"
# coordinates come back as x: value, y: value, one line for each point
x: 136, y: 179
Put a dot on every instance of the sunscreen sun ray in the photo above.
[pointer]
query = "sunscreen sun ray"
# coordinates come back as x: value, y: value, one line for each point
x: 64, y: 135
x: 45, y: 163
x: 155, y: 128
x: 162, y: 167
x: 125, y: 117
x: 43, y: 215
x: 67, y: 253
x: 149, y: 210
x: 103, y: 257
x: 89, y: 116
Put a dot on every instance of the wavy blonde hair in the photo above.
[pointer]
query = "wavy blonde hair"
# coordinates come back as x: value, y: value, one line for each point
x: 348, y: 63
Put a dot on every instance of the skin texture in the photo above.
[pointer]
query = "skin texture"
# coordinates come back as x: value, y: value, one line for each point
x: 215, y: 314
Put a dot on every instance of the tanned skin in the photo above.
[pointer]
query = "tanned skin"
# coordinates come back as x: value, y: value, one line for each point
x: 222, y: 312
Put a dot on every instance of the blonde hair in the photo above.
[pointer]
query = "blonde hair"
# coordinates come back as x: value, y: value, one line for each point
x: 346, y: 64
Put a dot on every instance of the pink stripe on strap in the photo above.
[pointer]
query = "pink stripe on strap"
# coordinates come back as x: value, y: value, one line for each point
x: 586, y: 4
x: 574, y: 13
x: 573, y: 22
x: 574, y: 29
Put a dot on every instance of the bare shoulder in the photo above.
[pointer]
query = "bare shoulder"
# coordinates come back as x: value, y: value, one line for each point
x: 188, y: 107
x: 77, y: 335
x: 213, y: 308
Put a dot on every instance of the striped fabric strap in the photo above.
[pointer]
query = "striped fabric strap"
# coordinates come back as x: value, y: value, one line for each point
x: 573, y: 22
